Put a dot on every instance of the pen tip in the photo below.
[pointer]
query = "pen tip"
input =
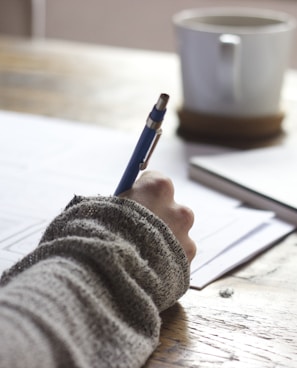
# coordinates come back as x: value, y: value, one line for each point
x: 162, y: 101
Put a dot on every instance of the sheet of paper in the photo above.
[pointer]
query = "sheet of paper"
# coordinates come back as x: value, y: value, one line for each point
x: 232, y: 227
x: 240, y: 252
x: 44, y: 162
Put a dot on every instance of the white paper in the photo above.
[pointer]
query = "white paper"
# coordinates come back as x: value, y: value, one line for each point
x: 240, y: 252
x: 44, y: 162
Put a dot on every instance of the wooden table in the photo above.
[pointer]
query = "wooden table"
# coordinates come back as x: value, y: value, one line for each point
x: 256, y: 326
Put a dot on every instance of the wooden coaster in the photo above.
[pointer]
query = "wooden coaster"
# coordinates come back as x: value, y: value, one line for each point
x: 197, y: 126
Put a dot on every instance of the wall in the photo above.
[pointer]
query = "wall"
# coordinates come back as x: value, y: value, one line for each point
x: 135, y: 23
x: 15, y: 17
x: 128, y: 23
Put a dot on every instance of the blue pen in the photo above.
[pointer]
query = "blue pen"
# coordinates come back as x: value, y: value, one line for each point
x: 145, y: 145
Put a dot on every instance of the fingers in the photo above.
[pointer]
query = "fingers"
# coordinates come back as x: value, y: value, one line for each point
x: 151, y: 188
x: 156, y: 192
x: 180, y: 216
x: 181, y: 220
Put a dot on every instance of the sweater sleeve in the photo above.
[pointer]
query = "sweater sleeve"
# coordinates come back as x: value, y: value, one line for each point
x: 91, y: 292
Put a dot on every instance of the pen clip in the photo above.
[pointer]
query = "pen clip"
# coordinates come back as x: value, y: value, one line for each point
x: 143, y: 165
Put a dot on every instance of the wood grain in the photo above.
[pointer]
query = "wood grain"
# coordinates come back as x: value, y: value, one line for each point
x: 255, y: 324
x: 255, y: 327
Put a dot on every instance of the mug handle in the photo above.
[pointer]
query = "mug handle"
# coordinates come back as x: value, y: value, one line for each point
x: 229, y: 66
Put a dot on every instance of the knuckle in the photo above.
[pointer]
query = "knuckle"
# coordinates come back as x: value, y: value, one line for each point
x: 161, y: 186
x: 186, y: 216
x: 165, y: 186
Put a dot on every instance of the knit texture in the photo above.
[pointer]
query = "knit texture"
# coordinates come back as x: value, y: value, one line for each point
x: 91, y: 292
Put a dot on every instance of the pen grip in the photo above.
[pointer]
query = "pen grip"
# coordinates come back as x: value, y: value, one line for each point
x: 139, y: 154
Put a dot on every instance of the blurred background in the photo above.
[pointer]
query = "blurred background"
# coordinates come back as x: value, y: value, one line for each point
x: 126, y: 23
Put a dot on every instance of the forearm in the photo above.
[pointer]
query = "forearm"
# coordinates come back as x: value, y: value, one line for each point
x: 103, y: 271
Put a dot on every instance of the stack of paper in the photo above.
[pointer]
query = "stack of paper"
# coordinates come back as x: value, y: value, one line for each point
x: 44, y: 162
x: 263, y: 177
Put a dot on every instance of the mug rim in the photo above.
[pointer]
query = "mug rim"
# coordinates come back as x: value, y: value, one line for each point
x: 284, y: 21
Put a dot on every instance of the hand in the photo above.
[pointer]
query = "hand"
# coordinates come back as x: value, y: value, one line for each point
x: 156, y: 192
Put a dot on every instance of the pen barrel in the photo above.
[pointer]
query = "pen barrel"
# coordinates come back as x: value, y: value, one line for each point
x: 139, y: 154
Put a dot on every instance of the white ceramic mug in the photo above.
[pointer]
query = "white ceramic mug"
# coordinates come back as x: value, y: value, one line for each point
x: 233, y: 60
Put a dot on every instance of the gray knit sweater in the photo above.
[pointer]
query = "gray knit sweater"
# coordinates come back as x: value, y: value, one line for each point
x: 91, y: 292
